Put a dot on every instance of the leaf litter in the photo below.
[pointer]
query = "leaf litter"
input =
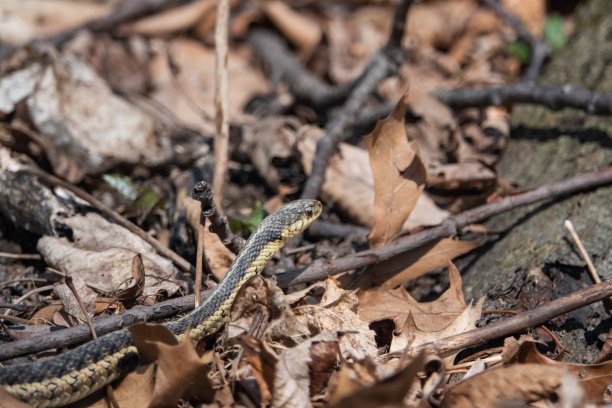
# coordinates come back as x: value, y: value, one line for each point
x: 314, y: 345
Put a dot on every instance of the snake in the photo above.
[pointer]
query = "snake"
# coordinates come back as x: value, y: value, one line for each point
x: 81, y: 371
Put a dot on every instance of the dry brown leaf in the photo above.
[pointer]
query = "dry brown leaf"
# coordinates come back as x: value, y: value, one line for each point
x: 65, y: 107
x: 323, y: 358
x: 531, y: 12
x: 335, y: 310
x: 303, y: 31
x: 528, y: 353
x: 45, y: 314
x: 399, y: 175
x: 517, y: 385
x: 350, y: 185
x: 138, y: 277
x: 349, y: 390
x: 263, y: 364
x: 180, y: 372
x: 412, y: 264
x: 292, y: 377
x: 397, y: 304
x: 182, y: 76
x: 71, y: 306
x: 23, y: 21
x: 411, y: 336
x: 439, y: 23
x: 135, y: 390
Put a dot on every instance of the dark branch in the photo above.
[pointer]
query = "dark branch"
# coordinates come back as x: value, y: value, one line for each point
x: 514, y: 324
x: 81, y: 333
x: 320, y: 269
x: 554, y: 98
x: 203, y: 192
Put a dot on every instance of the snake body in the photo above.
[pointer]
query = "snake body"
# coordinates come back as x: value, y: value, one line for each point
x: 87, y: 368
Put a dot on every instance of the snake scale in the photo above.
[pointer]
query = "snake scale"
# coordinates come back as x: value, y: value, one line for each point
x: 79, y: 372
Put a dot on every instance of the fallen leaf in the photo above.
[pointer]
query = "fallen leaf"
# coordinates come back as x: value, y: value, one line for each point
x: 385, y: 391
x: 399, y: 175
x: 182, y: 76
x: 138, y: 277
x: 263, y: 364
x: 24, y: 21
x: 397, y: 304
x: 135, y: 390
x: 411, y: 336
x: 517, y: 385
x: 412, y: 264
x: 180, y: 372
x: 65, y: 107
x: 350, y: 185
x: 71, y: 306
x: 292, y: 377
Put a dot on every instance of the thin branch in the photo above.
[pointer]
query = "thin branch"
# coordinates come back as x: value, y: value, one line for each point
x: 81, y: 333
x: 585, y: 255
x: 539, y: 49
x: 178, y: 260
x: 554, y: 98
x: 320, y: 269
x: 383, y: 64
x: 221, y: 146
x: 203, y: 192
x: 520, y: 322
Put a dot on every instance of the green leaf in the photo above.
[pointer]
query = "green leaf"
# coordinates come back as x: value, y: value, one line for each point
x: 520, y: 50
x: 247, y: 224
x: 553, y: 31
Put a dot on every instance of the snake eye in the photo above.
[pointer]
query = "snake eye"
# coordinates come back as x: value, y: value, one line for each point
x: 309, y: 212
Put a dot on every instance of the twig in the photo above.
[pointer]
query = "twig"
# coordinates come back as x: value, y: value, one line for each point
x: 203, y: 192
x: 21, y: 308
x: 539, y: 49
x: 221, y: 146
x: 570, y: 227
x: 199, y: 261
x: 10, y: 255
x: 383, y: 64
x: 320, y: 269
x: 9, y: 282
x: 178, y: 260
x: 522, y: 321
x: 70, y: 284
x: 554, y: 98
x: 82, y: 333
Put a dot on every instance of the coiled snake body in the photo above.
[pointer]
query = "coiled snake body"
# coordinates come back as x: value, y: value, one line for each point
x: 85, y: 369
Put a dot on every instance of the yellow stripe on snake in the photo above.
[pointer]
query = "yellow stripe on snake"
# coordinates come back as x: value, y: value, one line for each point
x: 79, y: 372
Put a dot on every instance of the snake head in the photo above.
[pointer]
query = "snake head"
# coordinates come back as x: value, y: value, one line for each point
x: 293, y: 218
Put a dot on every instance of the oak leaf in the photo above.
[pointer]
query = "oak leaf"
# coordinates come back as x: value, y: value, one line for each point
x: 399, y: 175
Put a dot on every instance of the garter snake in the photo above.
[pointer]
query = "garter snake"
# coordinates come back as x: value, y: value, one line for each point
x: 87, y: 368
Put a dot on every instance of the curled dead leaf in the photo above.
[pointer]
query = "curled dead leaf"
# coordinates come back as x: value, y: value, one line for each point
x: 399, y: 175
